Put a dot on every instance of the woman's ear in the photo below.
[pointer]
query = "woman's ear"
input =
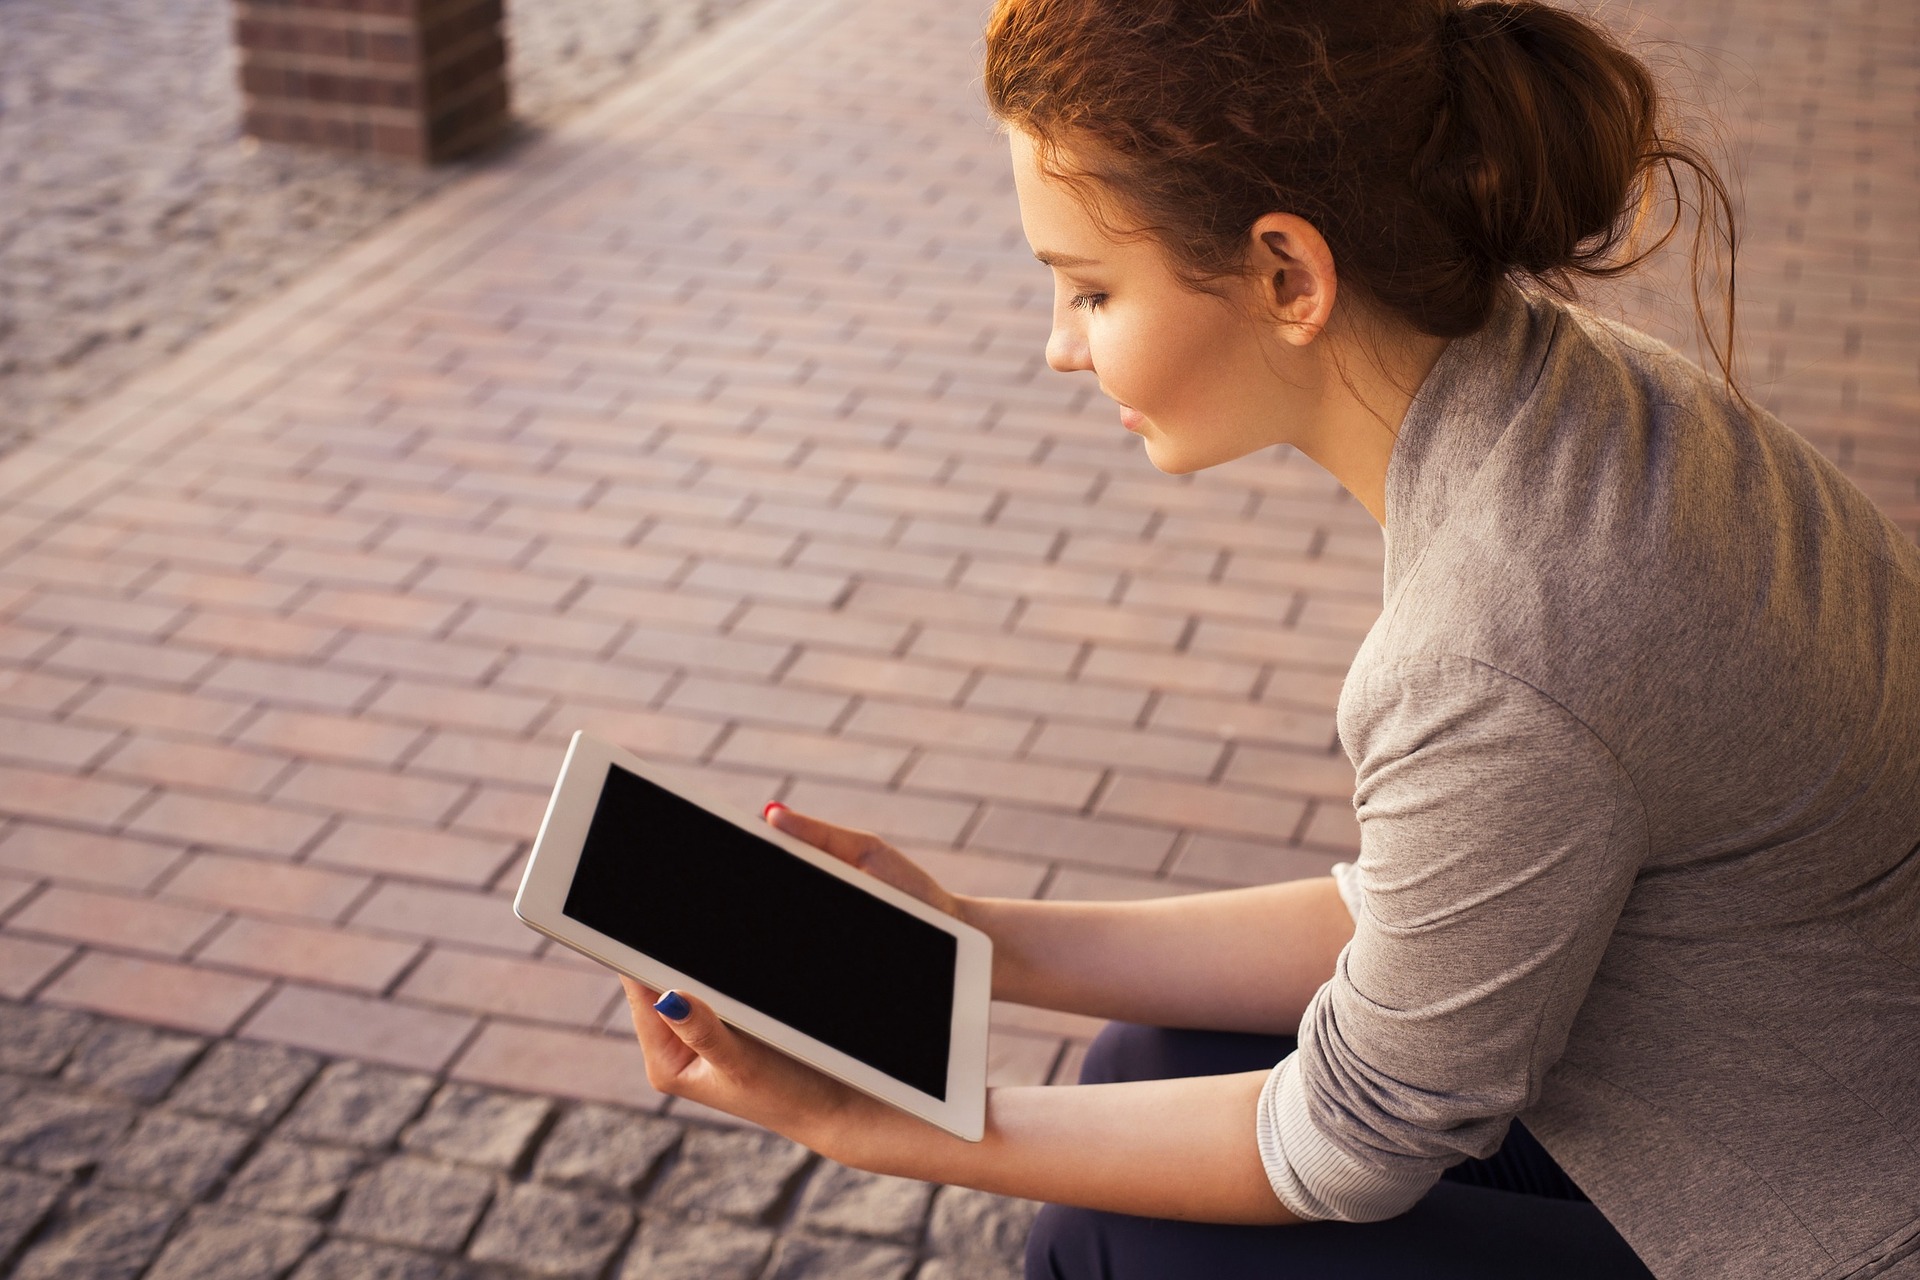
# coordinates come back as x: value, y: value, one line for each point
x: 1294, y: 268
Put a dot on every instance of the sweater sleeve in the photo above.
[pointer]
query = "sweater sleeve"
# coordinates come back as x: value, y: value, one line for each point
x: 1498, y: 841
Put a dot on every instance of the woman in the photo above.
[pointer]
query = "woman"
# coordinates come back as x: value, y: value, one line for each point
x: 1627, y: 977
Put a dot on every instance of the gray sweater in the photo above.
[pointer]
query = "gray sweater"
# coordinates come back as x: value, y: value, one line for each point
x: 1637, y: 738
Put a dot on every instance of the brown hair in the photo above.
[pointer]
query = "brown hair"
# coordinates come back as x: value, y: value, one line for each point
x: 1440, y: 146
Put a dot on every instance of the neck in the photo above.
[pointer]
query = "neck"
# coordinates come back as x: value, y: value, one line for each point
x: 1363, y: 398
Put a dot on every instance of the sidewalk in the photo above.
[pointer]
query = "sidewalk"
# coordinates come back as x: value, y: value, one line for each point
x: 718, y: 424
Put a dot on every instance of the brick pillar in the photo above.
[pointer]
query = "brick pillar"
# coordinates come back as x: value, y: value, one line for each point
x: 421, y: 80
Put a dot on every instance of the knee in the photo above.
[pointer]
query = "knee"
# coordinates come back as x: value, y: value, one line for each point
x: 1064, y: 1245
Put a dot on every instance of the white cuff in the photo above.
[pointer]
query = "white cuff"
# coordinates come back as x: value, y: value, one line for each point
x: 1346, y: 878
x: 1315, y: 1179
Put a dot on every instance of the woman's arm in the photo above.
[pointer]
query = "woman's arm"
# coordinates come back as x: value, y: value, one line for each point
x: 1236, y: 960
x: 1157, y: 1148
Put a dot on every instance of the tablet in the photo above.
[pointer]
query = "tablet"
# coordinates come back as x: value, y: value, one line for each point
x: 641, y: 872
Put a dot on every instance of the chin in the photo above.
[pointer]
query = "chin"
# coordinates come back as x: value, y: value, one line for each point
x: 1171, y: 460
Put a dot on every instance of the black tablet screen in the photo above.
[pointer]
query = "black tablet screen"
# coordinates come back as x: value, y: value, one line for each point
x: 753, y: 921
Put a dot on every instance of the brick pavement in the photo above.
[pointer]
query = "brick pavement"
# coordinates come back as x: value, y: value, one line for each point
x: 718, y: 424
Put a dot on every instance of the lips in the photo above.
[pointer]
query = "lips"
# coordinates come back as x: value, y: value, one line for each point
x: 1130, y: 418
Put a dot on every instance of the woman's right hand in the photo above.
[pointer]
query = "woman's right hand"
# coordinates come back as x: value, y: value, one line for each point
x: 868, y: 852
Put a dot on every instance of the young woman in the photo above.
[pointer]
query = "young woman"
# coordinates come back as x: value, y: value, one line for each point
x: 1627, y: 977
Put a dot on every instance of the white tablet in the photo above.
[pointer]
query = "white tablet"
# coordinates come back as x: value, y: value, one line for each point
x: 787, y: 943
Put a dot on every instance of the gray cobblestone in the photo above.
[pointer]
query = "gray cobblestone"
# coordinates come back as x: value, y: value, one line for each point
x: 605, y: 1146
x: 477, y: 1126
x: 741, y: 1173
x: 173, y: 1154
x: 240, y: 1080
x: 36, y: 1039
x: 100, y: 1235
x: 294, y: 1177
x: 968, y: 1269
x: 59, y: 1132
x: 839, y: 1199
x: 420, y: 1203
x: 802, y: 1257
x: 139, y: 1063
x: 973, y: 1224
x: 356, y: 1104
x: 222, y: 1244
x: 675, y: 1249
x: 353, y: 1260
x: 24, y: 1200
x: 552, y: 1232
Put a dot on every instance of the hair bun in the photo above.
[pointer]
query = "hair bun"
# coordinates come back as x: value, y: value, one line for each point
x: 1545, y: 130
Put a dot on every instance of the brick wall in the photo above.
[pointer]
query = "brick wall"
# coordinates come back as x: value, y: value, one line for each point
x: 421, y: 80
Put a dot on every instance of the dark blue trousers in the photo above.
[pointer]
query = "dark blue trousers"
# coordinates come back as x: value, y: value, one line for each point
x: 1512, y: 1216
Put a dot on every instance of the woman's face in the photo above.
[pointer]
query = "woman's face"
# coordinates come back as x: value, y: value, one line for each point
x: 1198, y: 377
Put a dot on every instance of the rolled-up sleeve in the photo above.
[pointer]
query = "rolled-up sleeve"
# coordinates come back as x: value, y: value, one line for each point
x: 1499, y: 841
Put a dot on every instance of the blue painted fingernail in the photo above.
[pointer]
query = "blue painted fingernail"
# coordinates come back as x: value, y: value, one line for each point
x: 673, y: 1005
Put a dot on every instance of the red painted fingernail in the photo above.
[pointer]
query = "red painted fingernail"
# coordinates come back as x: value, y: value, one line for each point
x: 771, y: 806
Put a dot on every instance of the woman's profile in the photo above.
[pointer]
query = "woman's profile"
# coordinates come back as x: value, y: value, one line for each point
x: 1625, y: 979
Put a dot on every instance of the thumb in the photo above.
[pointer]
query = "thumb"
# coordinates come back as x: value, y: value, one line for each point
x: 700, y: 1029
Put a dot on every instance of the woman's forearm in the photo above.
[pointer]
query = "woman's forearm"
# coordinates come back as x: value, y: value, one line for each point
x: 1236, y: 960
x: 1155, y: 1148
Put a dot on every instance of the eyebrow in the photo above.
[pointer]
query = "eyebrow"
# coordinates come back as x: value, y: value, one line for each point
x: 1067, y: 260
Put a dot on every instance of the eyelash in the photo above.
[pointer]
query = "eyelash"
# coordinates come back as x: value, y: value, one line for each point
x: 1088, y: 301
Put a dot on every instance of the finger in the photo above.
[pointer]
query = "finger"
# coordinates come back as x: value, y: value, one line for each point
x: 656, y: 1041
x: 699, y: 1028
x: 843, y: 843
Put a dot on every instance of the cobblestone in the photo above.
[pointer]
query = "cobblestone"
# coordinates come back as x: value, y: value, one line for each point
x: 172, y: 1153
x: 221, y: 1244
x: 58, y: 1132
x: 36, y: 1040
x: 294, y: 1177
x: 739, y: 1173
x: 552, y: 1232
x: 605, y: 1146
x: 441, y: 1181
x: 139, y: 1063
x: 477, y: 1126
x: 99, y: 1235
x: 355, y: 1104
x: 408, y: 1201
x: 675, y: 1249
x: 250, y: 1083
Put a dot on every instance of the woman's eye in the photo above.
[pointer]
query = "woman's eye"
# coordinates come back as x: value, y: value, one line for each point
x: 1087, y: 301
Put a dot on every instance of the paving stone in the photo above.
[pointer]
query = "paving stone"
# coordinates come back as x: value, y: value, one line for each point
x: 36, y: 1040
x: 294, y: 1177
x: 355, y: 1104
x: 678, y: 1249
x: 12, y: 1087
x: 552, y: 1232
x: 100, y: 1235
x: 24, y: 1200
x: 741, y: 1173
x: 973, y: 1224
x: 605, y: 1146
x: 840, y: 1199
x: 968, y: 1269
x: 224, y: 1244
x: 136, y: 1062
x: 353, y: 1260
x: 60, y: 1132
x: 244, y: 1081
x: 477, y: 1126
x: 837, y: 1258
x: 176, y: 1155
x: 410, y: 1201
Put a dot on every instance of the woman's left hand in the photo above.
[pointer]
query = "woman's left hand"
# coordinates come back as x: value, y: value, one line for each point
x: 700, y: 1058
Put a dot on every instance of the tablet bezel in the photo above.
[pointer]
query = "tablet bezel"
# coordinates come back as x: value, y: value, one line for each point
x: 549, y: 874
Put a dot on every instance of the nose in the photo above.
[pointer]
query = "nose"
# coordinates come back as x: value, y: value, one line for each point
x: 1067, y: 349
